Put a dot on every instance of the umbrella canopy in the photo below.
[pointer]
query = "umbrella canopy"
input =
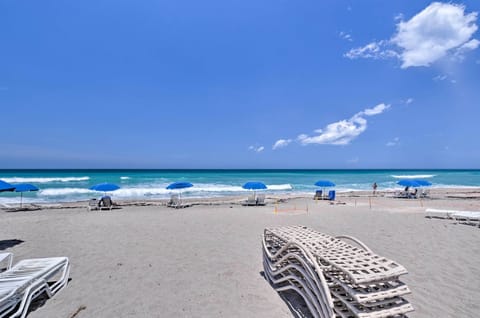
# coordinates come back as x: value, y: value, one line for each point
x: 179, y: 185
x: 409, y: 183
x: 24, y: 187
x: 423, y: 183
x: 105, y: 187
x: 324, y: 183
x: 6, y: 186
x: 254, y: 185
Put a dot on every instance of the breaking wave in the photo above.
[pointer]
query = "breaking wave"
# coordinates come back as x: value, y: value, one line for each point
x: 414, y: 176
x: 44, y: 180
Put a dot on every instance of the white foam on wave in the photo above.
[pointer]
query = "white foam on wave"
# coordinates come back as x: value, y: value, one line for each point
x: 279, y: 187
x: 153, y: 191
x: 139, y: 192
x: 124, y: 178
x: 44, y: 180
x: 414, y: 176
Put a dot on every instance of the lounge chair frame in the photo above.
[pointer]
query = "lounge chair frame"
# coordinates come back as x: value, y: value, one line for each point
x: 336, y: 276
x: 26, y: 280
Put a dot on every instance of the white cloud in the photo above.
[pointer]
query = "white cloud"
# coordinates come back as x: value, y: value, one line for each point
x: 281, y: 143
x: 374, y: 50
x: 439, y: 30
x: 394, y: 142
x: 344, y: 131
x: 346, y: 36
x: 257, y: 148
x: 409, y: 101
x: 461, y: 51
x: 380, y: 108
x: 430, y: 34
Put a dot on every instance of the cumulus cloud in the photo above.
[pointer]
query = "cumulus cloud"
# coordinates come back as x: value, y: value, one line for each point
x: 393, y: 142
x: 439, y: 30
x: 281, y: 143
x: 257, y: 148
x: 344, y: 131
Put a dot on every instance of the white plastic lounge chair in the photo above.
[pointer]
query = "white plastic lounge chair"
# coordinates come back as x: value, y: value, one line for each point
x: 26, y: 280
x: 251, y: 200
x: 174, y: 201
x: 92, y: 204
x: 6, y: 258
x: 334, y: 277
x: 261, y: 199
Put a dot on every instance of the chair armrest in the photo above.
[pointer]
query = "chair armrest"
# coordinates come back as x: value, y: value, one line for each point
x: 8, y: 257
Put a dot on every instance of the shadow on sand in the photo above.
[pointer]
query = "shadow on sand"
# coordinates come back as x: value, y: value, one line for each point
x: 4, y: 244
x: 294, y: 301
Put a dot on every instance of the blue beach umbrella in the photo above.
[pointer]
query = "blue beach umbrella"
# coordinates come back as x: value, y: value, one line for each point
x: 105, y: 187
x: 409, y: 183
x: 324, y: 183
x: 24, y: 187
x: 179, y: 185
x: 254, y: 185
x: 6, y: 186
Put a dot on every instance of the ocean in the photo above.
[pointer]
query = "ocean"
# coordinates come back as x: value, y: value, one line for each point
x: 73, y: 185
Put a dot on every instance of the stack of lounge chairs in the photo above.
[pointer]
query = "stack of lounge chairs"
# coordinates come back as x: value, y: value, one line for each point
x: 334, y: 277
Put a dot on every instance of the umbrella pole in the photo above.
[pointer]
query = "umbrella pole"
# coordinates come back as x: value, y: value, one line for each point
x: 21, y: 199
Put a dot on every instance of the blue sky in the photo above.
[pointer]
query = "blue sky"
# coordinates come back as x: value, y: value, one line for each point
x: 239, y: 84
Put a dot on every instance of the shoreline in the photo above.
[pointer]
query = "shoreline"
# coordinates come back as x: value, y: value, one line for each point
x: 452, y: 198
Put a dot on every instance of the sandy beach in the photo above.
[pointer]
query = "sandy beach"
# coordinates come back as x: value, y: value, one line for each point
x: 147, y: 260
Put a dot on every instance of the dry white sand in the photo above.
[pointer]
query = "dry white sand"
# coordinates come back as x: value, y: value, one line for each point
x: 206, y: 261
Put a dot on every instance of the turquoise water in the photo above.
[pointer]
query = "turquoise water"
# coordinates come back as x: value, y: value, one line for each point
x: 72, y: 185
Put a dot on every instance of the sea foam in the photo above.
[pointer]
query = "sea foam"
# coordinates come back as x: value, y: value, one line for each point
x: 44, y: 180
x: 414, y: 176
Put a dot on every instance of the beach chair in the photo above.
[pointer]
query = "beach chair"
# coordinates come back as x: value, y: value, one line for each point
x: 27, y: 280
x: 335, y: 276
x: 251, y: 200
x: 331, y: 195
x: 92, y: 205
x: 105, y: 203
x: 175, y: 202
x: 425, y: 193
x: 5, y: 259
x: 261, y: 199
x: 318, y: 195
